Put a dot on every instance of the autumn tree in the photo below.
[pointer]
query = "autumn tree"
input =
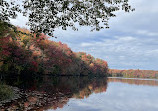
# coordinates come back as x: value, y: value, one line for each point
x: 46, y: 15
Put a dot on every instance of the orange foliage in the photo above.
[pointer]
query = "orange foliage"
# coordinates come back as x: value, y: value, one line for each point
x: 134, y: 73
x: 41, y: 55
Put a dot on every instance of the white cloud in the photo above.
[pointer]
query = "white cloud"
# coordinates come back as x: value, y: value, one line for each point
x: 147, y: 33
x: 124, y: 52
x: 125, y: 39
x: 86, y: 44
x: 20, y: 21
x: 131, y: 41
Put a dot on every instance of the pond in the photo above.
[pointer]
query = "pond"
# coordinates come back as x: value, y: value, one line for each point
x: 83, y: 94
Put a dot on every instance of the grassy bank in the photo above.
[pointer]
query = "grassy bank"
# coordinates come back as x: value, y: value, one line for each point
x: 6, y: 92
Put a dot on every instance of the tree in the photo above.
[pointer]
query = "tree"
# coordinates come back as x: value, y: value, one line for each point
x: 46, y: 15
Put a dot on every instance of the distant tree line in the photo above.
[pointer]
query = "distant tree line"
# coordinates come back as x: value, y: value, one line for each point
x: 133, y: 73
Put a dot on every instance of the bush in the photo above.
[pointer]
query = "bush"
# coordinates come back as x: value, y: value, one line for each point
x: 6, y: 92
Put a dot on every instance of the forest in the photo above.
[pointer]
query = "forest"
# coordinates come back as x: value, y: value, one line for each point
x: 131, y: 73
x: 22, y: 52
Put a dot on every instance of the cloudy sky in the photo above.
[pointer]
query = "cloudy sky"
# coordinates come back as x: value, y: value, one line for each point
x: 130, y: 43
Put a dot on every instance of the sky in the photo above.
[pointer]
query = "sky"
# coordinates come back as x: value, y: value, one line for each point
x: 131, y: 42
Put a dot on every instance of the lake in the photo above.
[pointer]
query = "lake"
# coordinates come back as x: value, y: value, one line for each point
x: 84, y: 94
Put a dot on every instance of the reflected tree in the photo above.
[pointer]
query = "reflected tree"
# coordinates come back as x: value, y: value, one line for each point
x: 52, y: 92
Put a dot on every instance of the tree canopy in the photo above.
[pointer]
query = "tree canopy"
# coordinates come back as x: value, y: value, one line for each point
x: 46, y: 15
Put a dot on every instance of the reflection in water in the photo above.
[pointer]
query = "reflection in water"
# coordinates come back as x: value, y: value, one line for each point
x: 47, y: 92
x: 119, y: 96
x: 73, y: 94
x: 135, y: 81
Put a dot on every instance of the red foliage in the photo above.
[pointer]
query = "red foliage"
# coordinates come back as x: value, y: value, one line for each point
x: 134, y: 73
x: 39, y: 52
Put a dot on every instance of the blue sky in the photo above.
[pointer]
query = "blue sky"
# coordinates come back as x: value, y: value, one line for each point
x: 130, y: 43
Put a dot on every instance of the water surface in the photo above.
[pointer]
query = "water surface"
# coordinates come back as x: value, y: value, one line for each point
x: 86, y: 94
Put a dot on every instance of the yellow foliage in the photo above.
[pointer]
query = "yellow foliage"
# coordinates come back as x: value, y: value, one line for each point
x: 91, y: 65
x: 1, y: 63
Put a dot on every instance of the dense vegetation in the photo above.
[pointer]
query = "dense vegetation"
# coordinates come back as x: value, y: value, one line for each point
x: 47, y: 92
x: 133, y: 73
x: 26, y: 53
x: 5, y: 92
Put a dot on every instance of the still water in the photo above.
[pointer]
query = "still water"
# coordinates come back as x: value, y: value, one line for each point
x: 84, y: 94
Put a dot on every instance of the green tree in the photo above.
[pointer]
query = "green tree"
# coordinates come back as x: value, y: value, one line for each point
x: 46, y: 15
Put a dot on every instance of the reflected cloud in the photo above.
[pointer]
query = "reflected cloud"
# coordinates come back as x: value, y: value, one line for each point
x: 118, y: 97
x: 83, y: 93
